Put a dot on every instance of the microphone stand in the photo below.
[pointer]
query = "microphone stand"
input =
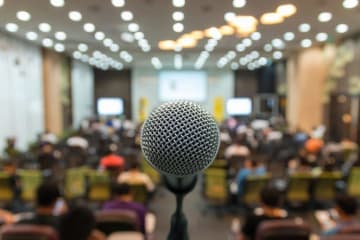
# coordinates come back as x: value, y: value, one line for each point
x: 180, y: 187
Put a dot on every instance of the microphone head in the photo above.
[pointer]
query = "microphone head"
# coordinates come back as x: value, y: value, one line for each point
x: 180, y: 138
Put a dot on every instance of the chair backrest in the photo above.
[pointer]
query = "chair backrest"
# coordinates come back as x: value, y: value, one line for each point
x: 75, y: 182
x: 6, y: 191
x: 298, y: 187
x: 98, y: 186
x: 126, y: 236
x: 324, y: 186
x: 110, y: 221
x: 354, y: 182
x: 342, y: 237
x: 283, y: 230
x: 139, y: 193
x: 30, y: 181
x: 252, y: 187
x: 216, y: 188
x: 219, y: 163
x: 351, y: 229
x: 28, y: 232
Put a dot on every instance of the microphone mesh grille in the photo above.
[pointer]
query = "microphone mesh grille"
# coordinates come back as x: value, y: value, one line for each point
x: 180, y: 138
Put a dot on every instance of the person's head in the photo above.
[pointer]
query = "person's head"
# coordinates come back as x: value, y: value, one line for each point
x: 134, y: 165
x: 346, y: 205
x: 77, y: 224
x: 250, y: 163
x: 46, y: 195
x: 121, y: 190
x: 271, y: 197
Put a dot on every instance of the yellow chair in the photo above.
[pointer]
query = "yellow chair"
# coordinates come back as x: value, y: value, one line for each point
x: 6, y: 191
x: 216, y: 187
x: 75, y: 183
x: 298, y: 188
x: 252, y: 188
x: 139, y: 193
x: 99, y: 186
x: 353, y: 186
x: 219, y: 163
x: 324, y: 186
x: 30, y: 181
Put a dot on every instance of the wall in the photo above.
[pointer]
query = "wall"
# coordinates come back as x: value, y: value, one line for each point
x: 145, y: 84
x: 246, y: 83
x: 82, y: 84
x: 21, y: 92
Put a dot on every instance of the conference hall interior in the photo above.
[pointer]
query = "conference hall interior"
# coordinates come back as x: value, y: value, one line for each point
x: 179, y: 119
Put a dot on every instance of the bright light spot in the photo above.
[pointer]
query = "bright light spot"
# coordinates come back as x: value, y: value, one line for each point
x: 277, y: 55
x: 239, y: 3
x: 304, y: 27
x: 32, y: 36
x: 229, y: 16
x: 305, y: 43
x: 268, y: 47
x: 255, y: 36
x: 178, y: 16
x: 12, y: 27
x: 178, y: 27
x: 89, y: 27
x: 118, y: 3
x: 61, y: 36
x: 325, y: 17
x: 23, y: 16
x: 321, y: 37
x: 82, y: 47
x: 47, y: 42
x: 342, y: 28
x: 59, y: 47
x: 99, y: 36
x: 289, y: 36
x: 139, y: 35
x: 44, y: 27
x: 133, y: 27
x: 57, y: 3
x: 178, y: 3
x: 75, y: 16
x: 127, y: 16
x: 350, y: 3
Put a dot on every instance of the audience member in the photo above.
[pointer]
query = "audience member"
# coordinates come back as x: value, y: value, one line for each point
x: 122, y: 199
x: 135, y: 176
x: 238, y: 148
x: 112, y: 160
x: 47, y: 159
x: 79, y: 224
x: 250, y: 168
x: 10, y: 150
x: 271, y: 203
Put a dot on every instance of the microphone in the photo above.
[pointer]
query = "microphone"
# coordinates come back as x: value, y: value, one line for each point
x: 179, y: 139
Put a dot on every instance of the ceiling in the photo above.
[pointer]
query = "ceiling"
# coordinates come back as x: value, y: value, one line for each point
x: 154, y: 18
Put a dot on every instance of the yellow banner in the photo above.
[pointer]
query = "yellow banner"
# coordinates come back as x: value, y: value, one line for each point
x: 218, y: 109
x: 143, y: 109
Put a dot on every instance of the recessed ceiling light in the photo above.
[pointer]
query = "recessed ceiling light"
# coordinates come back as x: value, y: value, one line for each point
x: 146, y: 48
x: 226, y: 30
x: 133, y: 27
x: 57, y: 3
x: 271, y: 18
x: 178, y: 16
x: 44, y: 27
x: 59, y: 47
x: 255, y: 36
x: 240, y: 47
x: 32, y: 36
x: 247, y: 42
x: 277, y: 55
x: 23, y: 16
x: 325, y: 17
x: 83, y: 47
x: 350, y: 3
x: 127, y: 16
x: 278, y: 43
x: 114, y: 47
x: 321, y: 37
x: 178, y: 27
x: 262, y: 61
x: 268, y: 47
x: 229, y: 16
x: 234, y: 66
x: 127, y: 37
x: 107, y: 42
x: 305, y: 43
x: 139, y: 35
x: 61, y: 36
x: 254, y: 54
x: 286, y: 10
x: 75, y: 16
x: 342, y: 28
x: 12, y: 27
x: 77, y: 54
x: 143, y: 42
x: 178, y: 3
x: 118, y: 3
x: 99, y: 36
x: 1, y: 3
x: 47, y: 42
x: 289, y: 36
x: 89, y: 27
x: 304, y: 27
x: 239, y: 3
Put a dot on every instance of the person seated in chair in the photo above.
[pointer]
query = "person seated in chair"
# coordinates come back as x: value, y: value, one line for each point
x: 122, y: 199
x: 271, y: 203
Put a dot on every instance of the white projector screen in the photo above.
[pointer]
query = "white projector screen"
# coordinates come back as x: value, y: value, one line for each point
x: 110, y: 106
x: 188, y: 85
x: 239, y: 106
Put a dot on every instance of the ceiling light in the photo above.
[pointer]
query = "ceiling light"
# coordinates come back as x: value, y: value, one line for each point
x: 32, y: 36
x: 99, y: 36
x: 107, y: 42
x: 304, y: 27
x: 268, y: 47
x: 114, y: 47
x: 178, y: 3
x: 59, y: 47
x: 178, y: 62
x: 244, y: 24
x: 167, y: 45
x: 82, y: 47
x: 23, y: 16
x: 178, y: 16
x: 271, y: 18
x: 305, y: 43
x: 289, y: 36
x: 1, y: 3
x: 254, y: 54
x: 262, y: 61
x: 239, y: 3
x: 77, y: 54
x: 75, y: 16
x: 243, y: 61
x: 197, y: 34
x: 226, y: 30
x: 61, y: 36
x: 57, y: 3
x: 155, y: 61
x: 213, y: 32
x: 278, y: 43
x: 350, y: 3
x: 277, y: 55
x: 234, y: 66
x: 146, y: 48
x: 240, y: 47
x: 342, y: 28
x: 229, y: 16
x: 12, y: 27
x: 247, y: 42
x: 118, y: 3
x: 325, y: 17
x: 89, y: 27
x: 84, y: 58
x: 133, y: 27
x: 286, y: 10
x: 139, y: 35
x: 44, y: 27
x: 321, y: 37
x: 47, y: 42
x: 143, y: 42
x: 178, y: 27
x: 256, y: 36
x: 127, y: 16
x: 187, y: 41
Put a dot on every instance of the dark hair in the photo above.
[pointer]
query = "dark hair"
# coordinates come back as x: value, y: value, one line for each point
x: 47, y: 194
x: 347, y: 204
x: 134, y: 165
x: 270, y: 196
x: 77, y: 224
x: 120, y: 189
